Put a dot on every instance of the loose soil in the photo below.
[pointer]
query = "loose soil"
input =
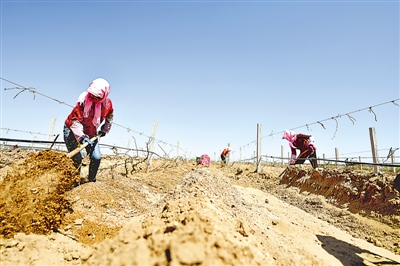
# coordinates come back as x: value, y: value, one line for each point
x: 174, y: 212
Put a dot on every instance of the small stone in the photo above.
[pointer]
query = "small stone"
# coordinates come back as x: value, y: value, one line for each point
x: 78, y: 222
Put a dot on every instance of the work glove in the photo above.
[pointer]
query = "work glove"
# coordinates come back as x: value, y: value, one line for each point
x: 101, y: 133
x: 87, y: 140
x: 292, y: 159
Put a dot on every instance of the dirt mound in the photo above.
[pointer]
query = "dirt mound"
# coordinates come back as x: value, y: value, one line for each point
x: 204, y: 220
x: 32, y: 196
x: 186, y: 232
x: 53, y: 249
x: 179, y: 213
x: 368, y: 194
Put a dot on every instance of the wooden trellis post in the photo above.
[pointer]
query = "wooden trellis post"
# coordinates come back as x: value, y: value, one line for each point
x: 394, y: 168
x: 374, y: 148
x: 336, y: 157
x: 258, y: 151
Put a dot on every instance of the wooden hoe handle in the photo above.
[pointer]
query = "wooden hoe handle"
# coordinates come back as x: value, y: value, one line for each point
x: 81, y: 147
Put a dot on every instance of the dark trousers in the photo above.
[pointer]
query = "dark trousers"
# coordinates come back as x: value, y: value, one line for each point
x: 312, y: 157
x: 93, y: 151
x: 223, y: 158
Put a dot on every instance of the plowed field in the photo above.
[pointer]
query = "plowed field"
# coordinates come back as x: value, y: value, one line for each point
x: 174, y: 212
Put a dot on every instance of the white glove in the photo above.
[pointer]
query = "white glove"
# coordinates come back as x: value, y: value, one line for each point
x: 293, y: 159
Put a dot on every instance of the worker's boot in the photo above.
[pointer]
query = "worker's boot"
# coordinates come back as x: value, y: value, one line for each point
x: 93, y: 168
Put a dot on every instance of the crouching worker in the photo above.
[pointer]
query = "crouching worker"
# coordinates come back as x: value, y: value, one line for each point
x: 92, y: 108
x: 204, y: 160
x: 305, y: 143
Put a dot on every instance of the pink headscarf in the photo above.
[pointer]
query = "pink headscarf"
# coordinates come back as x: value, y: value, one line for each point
x: 289, y: 136
x: 99, y: 88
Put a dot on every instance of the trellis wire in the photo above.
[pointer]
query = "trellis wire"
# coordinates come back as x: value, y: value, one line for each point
x: 35, y: 92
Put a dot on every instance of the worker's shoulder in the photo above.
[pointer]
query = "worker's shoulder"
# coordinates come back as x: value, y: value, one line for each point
x: 300, y: 135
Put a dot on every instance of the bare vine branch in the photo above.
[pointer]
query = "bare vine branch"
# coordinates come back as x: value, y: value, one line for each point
x: 271, y: 134
x: 390, y: 153
x: 163, y: 150
x: 337, y: 126
x: 133, y: 164
x: 352, y: 119
x: 372, y: 111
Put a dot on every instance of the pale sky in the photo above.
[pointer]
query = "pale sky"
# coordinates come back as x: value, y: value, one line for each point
x: 208, y: 72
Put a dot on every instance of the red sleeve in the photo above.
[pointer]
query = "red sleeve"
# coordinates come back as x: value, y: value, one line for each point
x: 107, y: 109
x: 76, y: 114
x: 293, y: 151
x: 107, y: 115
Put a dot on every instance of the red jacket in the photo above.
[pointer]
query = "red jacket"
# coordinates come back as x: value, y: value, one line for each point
x: 302, y: 142
x: 225, y: 152
x: 83, y: 126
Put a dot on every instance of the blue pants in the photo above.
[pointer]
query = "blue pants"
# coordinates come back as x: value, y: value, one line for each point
x: 93, y: 151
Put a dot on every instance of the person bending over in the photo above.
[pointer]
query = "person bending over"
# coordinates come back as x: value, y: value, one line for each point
x: 91, y: 116
x: 224, y: 153
x: 304, y: 143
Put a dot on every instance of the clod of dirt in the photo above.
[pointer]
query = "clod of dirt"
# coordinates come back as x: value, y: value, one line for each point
x: 368, y: 194
x: 32, y: 196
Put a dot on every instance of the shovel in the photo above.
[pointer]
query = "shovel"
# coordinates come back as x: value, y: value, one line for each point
x: 81, y: 147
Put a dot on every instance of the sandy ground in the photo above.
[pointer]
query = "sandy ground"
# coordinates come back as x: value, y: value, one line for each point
x: 174, y: 212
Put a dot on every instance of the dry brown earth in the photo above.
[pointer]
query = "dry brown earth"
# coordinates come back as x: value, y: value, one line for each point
x: 174, y: 212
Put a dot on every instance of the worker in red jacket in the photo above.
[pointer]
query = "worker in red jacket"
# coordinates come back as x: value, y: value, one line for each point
x: 305, y: 143
x: 224, y: 153
x: 91, y: 116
